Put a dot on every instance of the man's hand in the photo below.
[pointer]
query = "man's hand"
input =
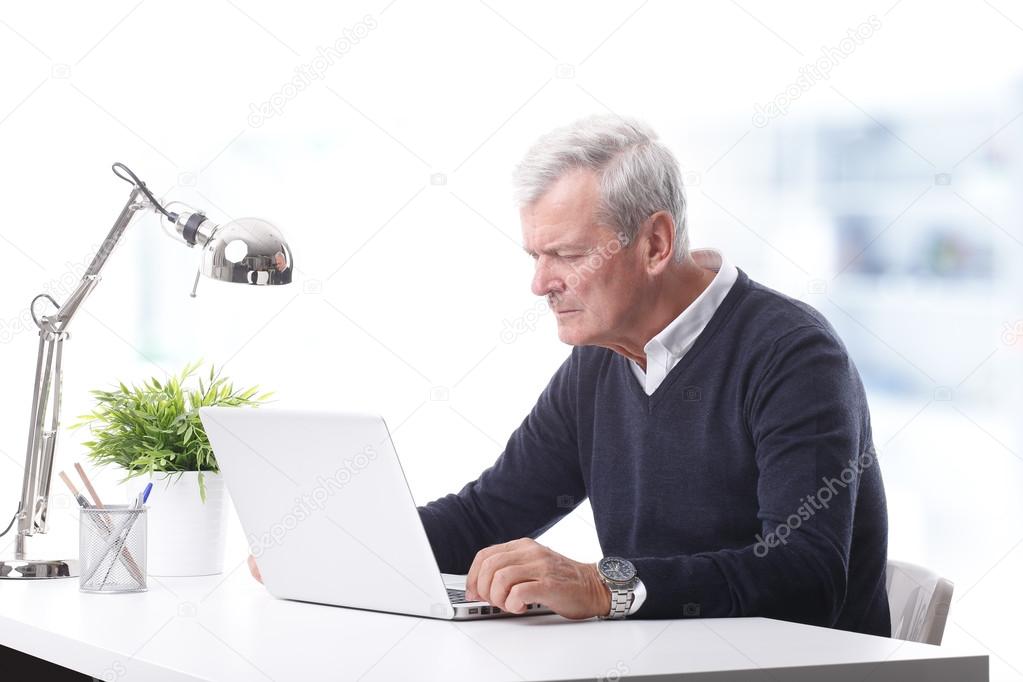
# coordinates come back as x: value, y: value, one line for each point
x: 521, y: 572
x: 254, y: 569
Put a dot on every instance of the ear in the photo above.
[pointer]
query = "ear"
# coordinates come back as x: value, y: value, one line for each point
x: 660, y: 242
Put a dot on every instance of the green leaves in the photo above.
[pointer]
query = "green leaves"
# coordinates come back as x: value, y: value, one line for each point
x: 155, y: 427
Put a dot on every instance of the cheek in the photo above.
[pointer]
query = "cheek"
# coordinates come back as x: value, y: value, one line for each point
x: 609, y: 298
x: 598, y: 286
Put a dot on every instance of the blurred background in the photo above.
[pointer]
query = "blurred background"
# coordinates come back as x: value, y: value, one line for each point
x: 866, y: 158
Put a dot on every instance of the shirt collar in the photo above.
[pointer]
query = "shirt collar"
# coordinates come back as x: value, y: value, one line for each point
x: 679, y: 335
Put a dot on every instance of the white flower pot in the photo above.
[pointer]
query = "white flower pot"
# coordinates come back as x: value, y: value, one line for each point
x: 185, y: 536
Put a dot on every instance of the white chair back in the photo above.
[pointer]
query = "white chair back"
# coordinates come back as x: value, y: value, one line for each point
x: 919, y: 600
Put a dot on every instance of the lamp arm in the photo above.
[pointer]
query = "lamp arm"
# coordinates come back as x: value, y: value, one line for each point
x: 92, y: 274
x: 45, y: 413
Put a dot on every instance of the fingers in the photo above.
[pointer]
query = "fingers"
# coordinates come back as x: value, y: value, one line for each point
x: 521, y: 594
x: 493, y: 564
x: 506, y: 578
x: 254, y: 569
x: 471, y: 580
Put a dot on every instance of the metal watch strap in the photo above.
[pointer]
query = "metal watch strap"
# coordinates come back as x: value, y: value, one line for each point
x: 621, y: 600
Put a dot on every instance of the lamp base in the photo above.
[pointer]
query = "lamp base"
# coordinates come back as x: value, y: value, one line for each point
x: 35, y: 569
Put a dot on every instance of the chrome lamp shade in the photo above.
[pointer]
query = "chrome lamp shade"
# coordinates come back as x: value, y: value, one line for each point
x: 247, y: 251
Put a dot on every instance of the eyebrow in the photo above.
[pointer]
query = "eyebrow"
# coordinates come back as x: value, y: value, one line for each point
x: 554, y: 248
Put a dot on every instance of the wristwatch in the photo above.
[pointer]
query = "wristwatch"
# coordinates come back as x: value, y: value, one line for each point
x: 620, y: 577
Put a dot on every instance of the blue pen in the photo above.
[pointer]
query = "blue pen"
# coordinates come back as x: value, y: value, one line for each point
x: 141, y: 498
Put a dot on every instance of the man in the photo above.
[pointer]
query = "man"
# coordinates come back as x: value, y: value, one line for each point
x: 718, y: 428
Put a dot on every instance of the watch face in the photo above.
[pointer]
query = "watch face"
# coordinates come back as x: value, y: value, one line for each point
x: 617, y: 569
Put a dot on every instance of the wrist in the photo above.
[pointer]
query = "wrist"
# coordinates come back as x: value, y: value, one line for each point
x: 601, y: 591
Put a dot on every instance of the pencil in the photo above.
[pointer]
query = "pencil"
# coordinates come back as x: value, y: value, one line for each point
x: 88, y: 485
x: 74, y: 491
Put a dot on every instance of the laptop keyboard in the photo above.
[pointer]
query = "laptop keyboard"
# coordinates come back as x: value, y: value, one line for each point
x: 457, y: 596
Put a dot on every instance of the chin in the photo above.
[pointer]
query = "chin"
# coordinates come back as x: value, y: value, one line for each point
x: 572, y: 337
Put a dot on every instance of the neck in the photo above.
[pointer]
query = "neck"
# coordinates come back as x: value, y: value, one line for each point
x: 666, y: 298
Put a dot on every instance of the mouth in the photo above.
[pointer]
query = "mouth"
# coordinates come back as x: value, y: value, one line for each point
x: 565, y: 312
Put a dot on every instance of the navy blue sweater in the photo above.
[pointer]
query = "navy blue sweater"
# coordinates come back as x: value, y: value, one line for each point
x: 746, y: 485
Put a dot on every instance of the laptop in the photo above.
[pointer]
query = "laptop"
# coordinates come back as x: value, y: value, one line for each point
x: 329, y: 515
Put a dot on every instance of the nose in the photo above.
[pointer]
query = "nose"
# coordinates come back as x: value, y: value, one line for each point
x: 545, y: 281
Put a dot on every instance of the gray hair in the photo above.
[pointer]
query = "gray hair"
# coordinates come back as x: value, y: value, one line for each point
x: 638, y: 175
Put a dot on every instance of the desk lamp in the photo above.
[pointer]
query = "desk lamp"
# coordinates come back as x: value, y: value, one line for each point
x: 244, y: 251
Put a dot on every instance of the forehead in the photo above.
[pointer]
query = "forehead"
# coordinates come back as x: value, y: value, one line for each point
x: 566, y: 213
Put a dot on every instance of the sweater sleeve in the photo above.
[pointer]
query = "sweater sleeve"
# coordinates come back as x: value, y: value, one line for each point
x: 533, y: 484
x: 806, y: 415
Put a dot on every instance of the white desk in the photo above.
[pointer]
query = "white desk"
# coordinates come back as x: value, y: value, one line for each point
x: 229, y: 628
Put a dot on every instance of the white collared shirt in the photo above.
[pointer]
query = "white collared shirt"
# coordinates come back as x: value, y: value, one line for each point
x: 671, y: 344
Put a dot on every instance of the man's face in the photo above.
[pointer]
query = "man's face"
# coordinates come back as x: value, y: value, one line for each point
x: 588, y: 277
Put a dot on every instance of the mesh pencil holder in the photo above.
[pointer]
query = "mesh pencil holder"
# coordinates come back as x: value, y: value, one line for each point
x: 112, y: 549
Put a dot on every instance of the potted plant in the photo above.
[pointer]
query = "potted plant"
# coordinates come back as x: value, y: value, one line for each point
x: 152, y: 430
